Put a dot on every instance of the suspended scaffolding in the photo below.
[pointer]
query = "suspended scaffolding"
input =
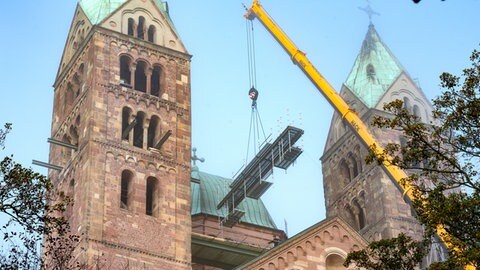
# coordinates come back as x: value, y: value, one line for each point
x: 251, y: 181
x: 281, y: 153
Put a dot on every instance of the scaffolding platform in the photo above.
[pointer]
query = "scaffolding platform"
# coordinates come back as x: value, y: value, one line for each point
x: 233, y: 217
x: 251, y: 181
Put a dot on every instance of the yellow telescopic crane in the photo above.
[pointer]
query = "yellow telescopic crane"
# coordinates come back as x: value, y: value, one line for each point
x: 300, y: 59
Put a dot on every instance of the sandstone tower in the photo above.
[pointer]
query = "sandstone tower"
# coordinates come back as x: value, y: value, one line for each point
x: 361, y: 194
x: 122, y: 108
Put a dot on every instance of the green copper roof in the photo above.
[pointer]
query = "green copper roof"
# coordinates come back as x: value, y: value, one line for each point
x: 97, y: 10
x: 208, y: 190
x: 374, y: 70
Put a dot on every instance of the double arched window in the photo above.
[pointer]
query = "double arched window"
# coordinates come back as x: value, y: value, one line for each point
x: 73, y: 87
x: 350, y: 167
x: 127, y: 193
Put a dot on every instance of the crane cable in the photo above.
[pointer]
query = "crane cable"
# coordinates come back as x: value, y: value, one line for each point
x: 255, y: 121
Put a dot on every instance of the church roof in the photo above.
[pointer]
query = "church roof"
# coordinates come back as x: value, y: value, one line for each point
x: 374, y: 70
x: 208, y: 190
x: 97, y: 10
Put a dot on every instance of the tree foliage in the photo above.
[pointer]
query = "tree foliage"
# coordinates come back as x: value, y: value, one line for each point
x: 402, y: 253
x: 443, y: 159
x: 35, y: 224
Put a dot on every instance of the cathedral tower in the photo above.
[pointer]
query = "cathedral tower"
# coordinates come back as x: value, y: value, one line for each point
x: 364, y: 195
x: 122, y: 111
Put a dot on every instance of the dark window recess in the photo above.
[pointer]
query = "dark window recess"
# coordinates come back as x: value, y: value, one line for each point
x: 126, y: 189
x: 138, y: 131
x: 153, y: 131
x: 141, y: 28
x: 126, y: 113
x: 131, y: 27
x: 125, y: 73
x: 155, y: 81
x: 141, y: 77
x: 151, y: 196
x: 151, y: 33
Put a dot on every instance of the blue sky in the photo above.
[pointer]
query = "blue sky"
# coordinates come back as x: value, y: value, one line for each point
x: 427, y: 38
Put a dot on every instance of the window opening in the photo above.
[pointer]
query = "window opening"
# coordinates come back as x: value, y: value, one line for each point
x: 66, y: 152
x: 416, y: 112
x: 74, y: 134
x: 370, y: 72
x: 138, y: 130
x: 406, y: 104
x: 151, y: 33
x: 155, y: 81
x: 151, y: 196
x: 77, y: 82
x: 345, y: 171
x: 141, y: 28
x: 334, y: 262
x: 360, y: 215
x: 141, y: 77
x: 153, y: 131
x: 125, y: 74
x: 69, y: 95
x: 126, y: 189
x: 131, y: 27
x: 126, y: 125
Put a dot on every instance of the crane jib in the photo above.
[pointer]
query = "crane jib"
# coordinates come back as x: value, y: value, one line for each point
x: 361, y: 130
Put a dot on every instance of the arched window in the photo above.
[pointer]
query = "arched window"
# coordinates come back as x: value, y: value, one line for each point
x: 345, y: 172
x: 141, y: 28
x: 126, y: 115
x: 77, y: 121
x: 138, y: 130
x: 406, y: 104
x: 77, y: 82
x: 350, y: 216
x: 360, y: 214
x: 155, y: 81
x: 151, y: 33
x: 141, y: 77
x: 353, y: 161
x: 131, y: 27
x: 66, y: 152
x: 151, y: 196
x: 416, y: 112
x: 334, y: 262
x: 126, y: 190
x: 370, y: 72
x: 81, y: 71
x: 125, y: 74
x: 69, y: 97
x: 153, y: 131
x: 73, y: 131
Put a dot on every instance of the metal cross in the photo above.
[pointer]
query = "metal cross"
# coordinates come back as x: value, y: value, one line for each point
x: 195, y: 158
x: 370, y: 12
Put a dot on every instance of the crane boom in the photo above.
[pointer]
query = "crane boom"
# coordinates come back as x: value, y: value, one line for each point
x: 300, y: 59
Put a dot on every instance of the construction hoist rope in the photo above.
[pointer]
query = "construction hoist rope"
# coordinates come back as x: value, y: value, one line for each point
x: 255, y: 121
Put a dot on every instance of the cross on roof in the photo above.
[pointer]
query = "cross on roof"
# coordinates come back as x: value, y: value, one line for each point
x: 195, y: 158
x: 369, y: 11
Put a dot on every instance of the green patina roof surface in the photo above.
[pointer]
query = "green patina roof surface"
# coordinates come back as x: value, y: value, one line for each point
x: 97, y: 10
x: 374, y: 70
x: 208, y: 190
